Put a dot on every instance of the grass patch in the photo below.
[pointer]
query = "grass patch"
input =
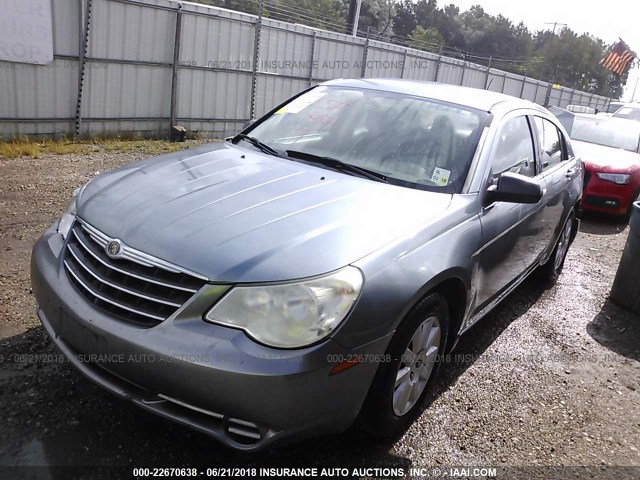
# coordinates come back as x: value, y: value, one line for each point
x: 145, y: 146
x: 26, y: 147
x: 19, y: 148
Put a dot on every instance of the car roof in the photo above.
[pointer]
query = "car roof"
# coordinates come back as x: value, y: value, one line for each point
x: 560, y: 112
x: 472, y: 97
x: 566, y: 118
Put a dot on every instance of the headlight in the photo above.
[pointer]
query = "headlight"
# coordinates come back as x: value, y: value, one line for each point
x: 619, y: 178
x: 290, y: 315
x: 69, y: 216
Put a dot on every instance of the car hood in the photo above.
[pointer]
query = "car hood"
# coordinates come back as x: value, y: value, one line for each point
x: 237, y: 215
x: 607, y: 159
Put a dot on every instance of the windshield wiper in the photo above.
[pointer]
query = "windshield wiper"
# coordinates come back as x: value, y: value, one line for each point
x: 338, y: 165
x: 263, y: 147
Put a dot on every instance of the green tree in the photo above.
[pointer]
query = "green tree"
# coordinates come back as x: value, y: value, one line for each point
x: 425, y: 38
x: 495, y: 36
x: 572, y: 60
x: 377, y: 16
x: 449, y: 24
x: 404, y: 22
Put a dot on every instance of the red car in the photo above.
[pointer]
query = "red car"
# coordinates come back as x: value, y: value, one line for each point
x: 609, y: 148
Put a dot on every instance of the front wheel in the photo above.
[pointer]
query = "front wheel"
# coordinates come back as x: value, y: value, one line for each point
x: 553, y: 268
x: 399, y: 389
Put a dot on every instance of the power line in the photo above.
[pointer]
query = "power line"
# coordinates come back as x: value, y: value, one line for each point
x: 449, y: 51
x: 305, y: 13
x: 292, y: 13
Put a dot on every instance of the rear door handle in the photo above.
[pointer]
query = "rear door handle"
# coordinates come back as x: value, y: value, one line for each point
x: 570, y: 173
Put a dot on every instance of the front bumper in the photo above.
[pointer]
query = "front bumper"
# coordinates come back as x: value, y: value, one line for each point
x: 607, y: 197
x: 209, y: 377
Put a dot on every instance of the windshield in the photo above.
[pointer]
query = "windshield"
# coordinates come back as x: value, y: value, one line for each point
x: 630, y: 113
x: 609, y: 132
x: 613, y: 107
x: 414, y: 142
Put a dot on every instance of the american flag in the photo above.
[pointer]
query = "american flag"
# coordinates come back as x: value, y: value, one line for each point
x: 618, y: 58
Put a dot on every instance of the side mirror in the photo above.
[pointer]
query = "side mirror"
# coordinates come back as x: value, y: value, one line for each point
x: 514, y: 188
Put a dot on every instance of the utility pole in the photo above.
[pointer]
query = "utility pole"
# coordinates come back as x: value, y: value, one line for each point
x: 633, y: 95
x: 356, y: 18
x: 554, y: 71
x: 610, y: 81
x: 555, y: 24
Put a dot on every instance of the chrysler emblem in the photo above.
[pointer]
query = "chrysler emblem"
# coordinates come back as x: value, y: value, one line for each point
x: 113, y: 248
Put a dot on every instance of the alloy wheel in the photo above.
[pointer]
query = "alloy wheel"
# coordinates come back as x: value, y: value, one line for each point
x: 416, y: 366
x: 563, y: 245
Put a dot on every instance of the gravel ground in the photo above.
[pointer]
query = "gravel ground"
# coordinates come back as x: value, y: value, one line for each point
x: 551, y: 377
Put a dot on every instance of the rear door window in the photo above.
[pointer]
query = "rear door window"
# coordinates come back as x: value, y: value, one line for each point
x: 552, y: 150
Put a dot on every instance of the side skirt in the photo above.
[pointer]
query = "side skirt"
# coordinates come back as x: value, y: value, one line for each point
x: 491, y: 305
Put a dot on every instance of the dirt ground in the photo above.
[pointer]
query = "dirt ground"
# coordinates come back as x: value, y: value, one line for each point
x: 551, y: 377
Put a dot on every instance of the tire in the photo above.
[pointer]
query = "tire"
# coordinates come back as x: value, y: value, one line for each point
x: 385, y: 412
x: 625, y: 217
x: 550, y: 271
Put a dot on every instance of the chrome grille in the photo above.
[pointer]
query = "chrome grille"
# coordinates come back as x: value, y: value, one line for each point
x: 135, y: 287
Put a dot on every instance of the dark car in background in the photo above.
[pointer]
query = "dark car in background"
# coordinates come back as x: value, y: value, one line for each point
x: 609, y: 148
x: 312, y: 270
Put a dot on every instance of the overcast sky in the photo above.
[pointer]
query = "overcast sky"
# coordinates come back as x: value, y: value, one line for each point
x: 607, y: 20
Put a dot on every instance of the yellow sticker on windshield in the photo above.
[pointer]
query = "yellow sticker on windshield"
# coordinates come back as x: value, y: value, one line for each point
x: 440, y: 176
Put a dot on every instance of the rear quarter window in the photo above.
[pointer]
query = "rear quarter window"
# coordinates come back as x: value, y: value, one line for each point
x: 552, y: 146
